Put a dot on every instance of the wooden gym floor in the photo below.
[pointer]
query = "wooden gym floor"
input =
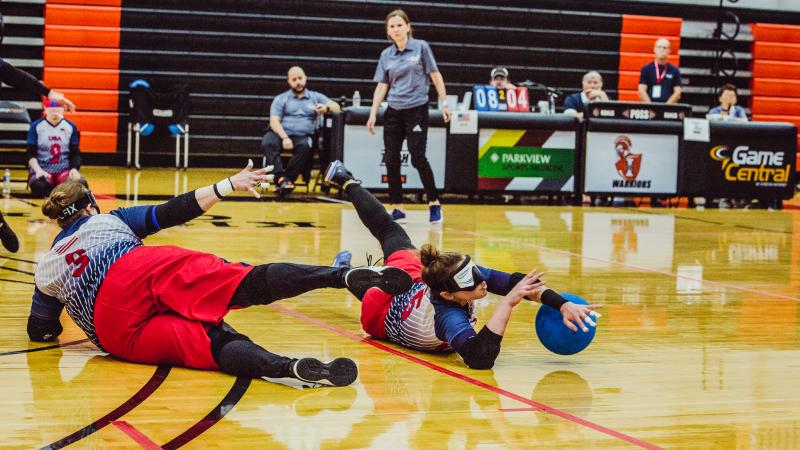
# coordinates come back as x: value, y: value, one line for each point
x: 698, y: 346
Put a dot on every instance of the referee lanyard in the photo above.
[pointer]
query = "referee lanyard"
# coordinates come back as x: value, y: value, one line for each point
x: 660, y: 76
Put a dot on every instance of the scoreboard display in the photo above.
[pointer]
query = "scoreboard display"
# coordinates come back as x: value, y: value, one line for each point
x: 490, y: 98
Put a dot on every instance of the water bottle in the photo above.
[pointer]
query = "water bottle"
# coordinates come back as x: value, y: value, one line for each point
x: 356, y: 99
x: 7, y: 183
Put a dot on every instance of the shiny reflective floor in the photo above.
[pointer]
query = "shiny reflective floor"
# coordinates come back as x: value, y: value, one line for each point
x: 698, y: 346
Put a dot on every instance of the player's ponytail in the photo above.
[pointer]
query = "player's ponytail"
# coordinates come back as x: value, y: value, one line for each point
x: 437, y: 267
x: 64, y: 194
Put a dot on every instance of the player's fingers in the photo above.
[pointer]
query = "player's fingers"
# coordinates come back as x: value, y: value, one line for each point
x: 254, y: 192
x: 570, y: 325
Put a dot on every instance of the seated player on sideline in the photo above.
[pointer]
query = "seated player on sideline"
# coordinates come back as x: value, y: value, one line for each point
x: 165, y: 304
x: 436, y: 313
x: 54, y: 154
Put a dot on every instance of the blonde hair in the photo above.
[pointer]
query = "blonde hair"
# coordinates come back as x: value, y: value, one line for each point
x: 401, y: 14
x: 64, y: 194
x: 437, y: 266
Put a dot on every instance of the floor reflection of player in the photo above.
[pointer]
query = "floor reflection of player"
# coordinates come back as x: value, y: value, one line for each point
x: 421, y: 402
x: 52, y: 391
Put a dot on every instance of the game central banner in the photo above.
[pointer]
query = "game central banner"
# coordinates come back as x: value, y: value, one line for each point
x: 526, y: 160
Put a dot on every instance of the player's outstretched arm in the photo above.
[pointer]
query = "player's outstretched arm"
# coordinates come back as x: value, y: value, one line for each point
x: 191, y: 205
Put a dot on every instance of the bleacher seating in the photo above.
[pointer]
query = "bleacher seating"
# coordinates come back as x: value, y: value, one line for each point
x: 234, y: 55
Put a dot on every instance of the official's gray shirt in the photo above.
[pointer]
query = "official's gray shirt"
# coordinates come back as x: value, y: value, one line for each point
x: 407, y: 73
x: 297, y: 114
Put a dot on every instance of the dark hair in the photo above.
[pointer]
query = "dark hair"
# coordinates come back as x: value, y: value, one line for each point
x: 401, y: 14
x: 727, y: 87
x: 437, y: 267
x: 64, y: 194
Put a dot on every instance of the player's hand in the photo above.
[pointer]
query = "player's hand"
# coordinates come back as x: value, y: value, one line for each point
x: 74, y: 175
x: 322, y: 109
x: 41, y: 174
x: 250, y: 179
x: 446, y: 114
x: 287, y: 143
x: 59, y: 97
x: 371, y: 123
x: 576, y: 316
x: 530, y: 286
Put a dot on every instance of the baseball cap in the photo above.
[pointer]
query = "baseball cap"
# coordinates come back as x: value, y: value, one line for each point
x: 500, y: 71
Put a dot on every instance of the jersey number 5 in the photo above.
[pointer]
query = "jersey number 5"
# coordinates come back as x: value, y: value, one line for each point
x: 78, y: 258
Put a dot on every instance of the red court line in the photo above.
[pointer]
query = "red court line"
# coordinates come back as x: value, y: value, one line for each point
x: 136, y: 435
x: 631, y: 266
x: 470, y: 380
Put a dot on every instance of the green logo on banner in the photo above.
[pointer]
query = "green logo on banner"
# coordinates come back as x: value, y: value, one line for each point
x: 528, y: 162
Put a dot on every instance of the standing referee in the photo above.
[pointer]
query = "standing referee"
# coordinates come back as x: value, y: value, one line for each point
x: 405, y: 70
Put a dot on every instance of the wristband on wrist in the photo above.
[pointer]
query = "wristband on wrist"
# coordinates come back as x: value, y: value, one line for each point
x: 223, y: 188
x: 552, y: 299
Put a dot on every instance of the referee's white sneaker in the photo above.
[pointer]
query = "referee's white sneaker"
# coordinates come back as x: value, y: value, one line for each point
x: 339, y: 372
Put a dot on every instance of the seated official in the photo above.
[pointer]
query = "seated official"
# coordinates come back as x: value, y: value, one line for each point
x: 54, y: 154
x: 575, y: 104
x: 728, y: 109
x: 500, y: 79
x: 292, y: 119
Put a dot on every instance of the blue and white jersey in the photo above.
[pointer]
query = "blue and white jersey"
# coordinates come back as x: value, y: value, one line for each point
x: 74, y: 269
x: 410, y: 320
x: 53, y: 143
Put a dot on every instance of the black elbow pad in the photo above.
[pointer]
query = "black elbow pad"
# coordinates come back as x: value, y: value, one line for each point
x: 41, y: 330
x: 481, y: 351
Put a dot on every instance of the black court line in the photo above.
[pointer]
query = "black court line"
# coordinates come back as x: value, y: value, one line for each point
x: 17, y: 281
x: 230, y: 400
x: 18, y: 259
x: 49, y: 347
x: 17, y: 270
x: 146, y: 391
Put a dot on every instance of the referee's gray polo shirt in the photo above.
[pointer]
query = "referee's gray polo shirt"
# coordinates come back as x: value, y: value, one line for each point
x: 407, y: 73
x: 297, y: 114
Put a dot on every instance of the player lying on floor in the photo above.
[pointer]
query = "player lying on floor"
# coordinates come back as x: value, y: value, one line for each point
x: 437, y: 314
x: 165, y: 304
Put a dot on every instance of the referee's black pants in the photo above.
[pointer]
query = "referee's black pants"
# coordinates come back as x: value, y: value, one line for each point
x: 411, y: 125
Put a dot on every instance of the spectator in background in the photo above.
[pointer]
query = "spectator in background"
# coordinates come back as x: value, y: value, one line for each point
x: 54, y: 154
x: 575, y: 104
x: 292, y: 122
x: 727, y: 109
x: 500, y: 79
x: 19, y: 79
x: 660, y: 81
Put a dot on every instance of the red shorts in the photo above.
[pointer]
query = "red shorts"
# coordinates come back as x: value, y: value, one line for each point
x: 54, y: 179
x: 375, y: 304
x: 156, y: 305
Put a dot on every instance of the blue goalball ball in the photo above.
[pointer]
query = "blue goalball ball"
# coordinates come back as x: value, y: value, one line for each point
x: 555, y: 336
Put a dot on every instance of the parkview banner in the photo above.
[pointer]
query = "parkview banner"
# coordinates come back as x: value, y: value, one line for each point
x: 526, y: 160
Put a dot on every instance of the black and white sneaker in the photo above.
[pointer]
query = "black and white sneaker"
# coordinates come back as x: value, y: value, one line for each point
x: 7, y: 236
x: 339, y: 372
x: 337, y: 175
x: 392, y: 280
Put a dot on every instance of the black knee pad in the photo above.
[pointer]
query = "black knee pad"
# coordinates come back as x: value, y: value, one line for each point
x: 221, y: 335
